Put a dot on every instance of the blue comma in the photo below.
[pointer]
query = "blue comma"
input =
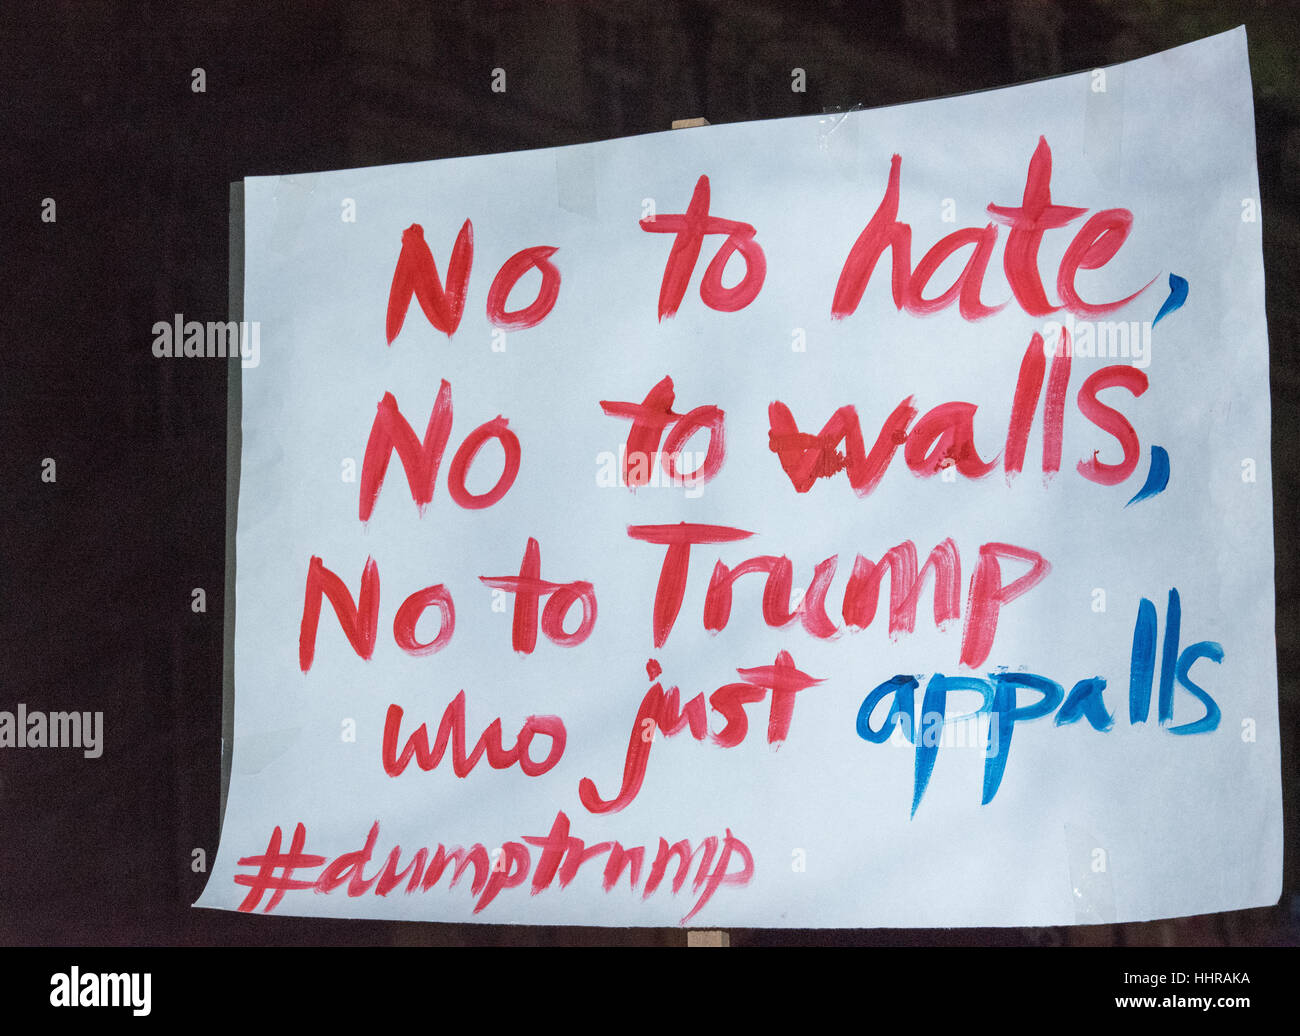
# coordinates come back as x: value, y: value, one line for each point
x: 1157, y: 477
x: 1177, y: 296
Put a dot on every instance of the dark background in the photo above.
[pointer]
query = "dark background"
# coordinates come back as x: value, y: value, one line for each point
x: 98, y: 567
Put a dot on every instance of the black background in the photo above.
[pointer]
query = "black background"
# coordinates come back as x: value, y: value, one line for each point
x: 98, y: 567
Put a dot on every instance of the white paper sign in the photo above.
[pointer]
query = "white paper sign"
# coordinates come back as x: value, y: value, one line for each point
x: 846, y: 521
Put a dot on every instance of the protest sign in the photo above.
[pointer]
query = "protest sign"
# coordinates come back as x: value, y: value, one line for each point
x: 855, y: 520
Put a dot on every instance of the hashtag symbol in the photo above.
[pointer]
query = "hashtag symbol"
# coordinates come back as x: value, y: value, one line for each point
x: 268, y: 864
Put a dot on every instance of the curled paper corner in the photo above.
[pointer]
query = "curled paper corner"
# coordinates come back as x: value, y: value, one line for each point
x: 253, y: 753
x: 1092, y: 890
